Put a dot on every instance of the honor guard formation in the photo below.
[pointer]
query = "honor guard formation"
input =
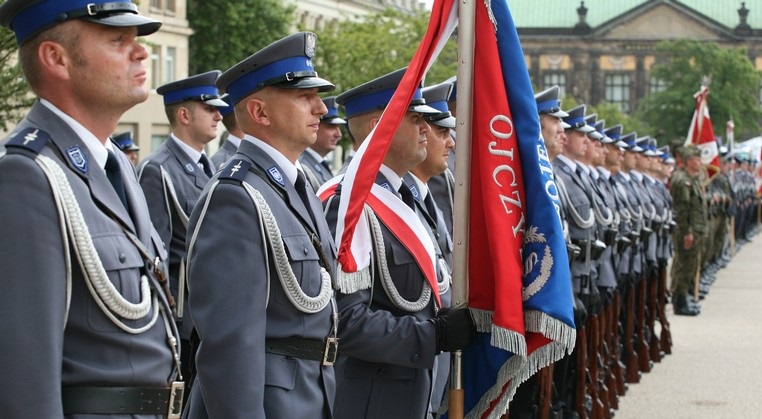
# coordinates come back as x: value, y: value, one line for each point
x: 207, y: 287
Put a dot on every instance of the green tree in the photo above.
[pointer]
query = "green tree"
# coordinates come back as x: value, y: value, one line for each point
x: 353, y: 52
x: 15, y: 96
x: 733, y: 90
x: 226, y: 32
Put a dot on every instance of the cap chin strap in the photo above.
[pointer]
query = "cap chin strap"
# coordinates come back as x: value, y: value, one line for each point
x: 98, y: 10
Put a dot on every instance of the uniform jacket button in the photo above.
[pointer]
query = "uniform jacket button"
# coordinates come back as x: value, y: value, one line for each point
x: 122, y: 257
x: 415, y: 358
x: 380, y: 371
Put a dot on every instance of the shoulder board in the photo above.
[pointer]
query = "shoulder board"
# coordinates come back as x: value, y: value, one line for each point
x: 30, y: 139
x: 236, y: 169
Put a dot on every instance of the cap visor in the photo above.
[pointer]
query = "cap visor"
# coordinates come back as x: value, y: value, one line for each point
x: 621, y: 144
x: 217, y: 102
x: 322, y: 85
x: 132, y: 148
x: 564, y: 125
x: 448, y: 122
x: 145, y: 25
x: 334, y: 121
x: 586, y: 129
x: 596, y: 135
x: 424, y: 109
x: 607, y: 140
x: 559, y: 114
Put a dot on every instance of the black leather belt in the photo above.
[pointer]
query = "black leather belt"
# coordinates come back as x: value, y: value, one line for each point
x: 123, y: 400
x: 303, y: 348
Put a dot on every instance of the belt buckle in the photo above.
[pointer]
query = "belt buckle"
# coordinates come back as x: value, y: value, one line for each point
x: 176, y: 394
x: 331, y: 349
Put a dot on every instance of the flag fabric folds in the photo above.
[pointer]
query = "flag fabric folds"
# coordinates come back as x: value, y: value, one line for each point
x: 701, y: 133
x: 518, y: 266
x: 519, y: 287
x: 354, y: 247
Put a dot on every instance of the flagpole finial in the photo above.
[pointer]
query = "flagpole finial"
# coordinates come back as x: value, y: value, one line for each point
x: 706, y: 80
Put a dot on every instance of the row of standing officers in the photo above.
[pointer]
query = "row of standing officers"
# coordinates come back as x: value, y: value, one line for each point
x: 221, y: 272
x: 224, y: 272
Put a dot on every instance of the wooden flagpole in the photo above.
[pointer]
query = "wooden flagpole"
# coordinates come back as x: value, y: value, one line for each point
x: 466, y: 19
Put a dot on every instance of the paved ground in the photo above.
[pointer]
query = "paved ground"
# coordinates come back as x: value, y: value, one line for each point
x: 715, y: 370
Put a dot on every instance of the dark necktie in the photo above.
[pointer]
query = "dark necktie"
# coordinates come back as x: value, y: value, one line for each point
x: 407, y: 196
x: 114, y: 174
x: 326, y: 166
x: 206, y: 165
x: 430, y: 206
x: 301, y: 189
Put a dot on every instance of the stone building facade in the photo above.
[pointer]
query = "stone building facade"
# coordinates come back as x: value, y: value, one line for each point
x: 603, y: 50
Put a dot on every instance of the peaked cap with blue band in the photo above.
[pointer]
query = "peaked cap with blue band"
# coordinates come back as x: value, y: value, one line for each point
x: 629, y: 139
x: 332, y: 117
x: 615, y: 133
x: 590, y: 119
x: 600, y: 127
x: 124, y: 142
x: 229, y: 109
x: 436, y: 96
x: 645, y: 144
x: 30, y: 17
x: 454, y: 92
x: 576, y: 119
x: 377, y: 93
x: 200, y: 88
x: 286, y: 63
x: 548, y: 102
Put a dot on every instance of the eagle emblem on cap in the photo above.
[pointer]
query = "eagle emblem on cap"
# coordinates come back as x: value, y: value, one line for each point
x: 310, y: 43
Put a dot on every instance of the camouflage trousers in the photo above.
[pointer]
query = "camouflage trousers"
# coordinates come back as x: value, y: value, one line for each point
x: 686, y: 264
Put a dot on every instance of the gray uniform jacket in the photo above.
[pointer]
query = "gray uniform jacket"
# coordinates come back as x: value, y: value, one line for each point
x: 224, y: 154
x: 316, y: 173
x: 237, y: 300
x: 39, y: 352
x: 188, y: 181
x: 632, y: 260
x: 442, y: 188
x: 386, y: 354
x: 579, y: 201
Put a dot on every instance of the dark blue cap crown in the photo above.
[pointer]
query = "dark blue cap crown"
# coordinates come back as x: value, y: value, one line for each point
x: 548, y: 102
x: 615, y: 132
x: 436, y: 96
x: 454, y: 92
x: 377, y: 93
x: 286, y: 63
x: 29, y: 17
x: 590, y: 120
x: 576, y: 119
x: 332, y: 117
x: 629, y: 139
x: 198, y: 88
x: 124, y: 142
x: 226, y: 110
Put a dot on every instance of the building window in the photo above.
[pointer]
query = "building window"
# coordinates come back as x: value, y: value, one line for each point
x: 163, y: 6
x: 157, y: 140
x: 617, y: 90
x: 169, y: 64
x: 155, y: 67
x: 656, y: 85
x: 550, y: 79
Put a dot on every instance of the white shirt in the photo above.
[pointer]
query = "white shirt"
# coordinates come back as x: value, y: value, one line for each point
x: 289, y: 169
x: 99, y: 149
x: 194, y: 154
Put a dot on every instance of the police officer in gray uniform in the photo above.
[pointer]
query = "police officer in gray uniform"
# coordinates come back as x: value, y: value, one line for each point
x: 260, y: 254
x: 313, y: 161
x: 391, y: 327
x: 173, y: 176
x: 233, y: 140
x: 87, y: 330
x: 439, y: 143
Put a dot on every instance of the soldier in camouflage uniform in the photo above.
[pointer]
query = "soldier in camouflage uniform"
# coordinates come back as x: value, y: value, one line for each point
x: 690, y: 207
